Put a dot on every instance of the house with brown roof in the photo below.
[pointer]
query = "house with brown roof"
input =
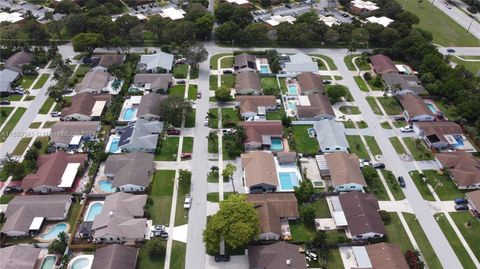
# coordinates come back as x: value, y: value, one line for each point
x: 121, y: 219
x: 96, y: 82
x: 150, y: 106
x: 130, y: 172
x: 281, y: 255
x: 248, y: 83
x: 55, y: 172
x: 260, y: 133
x: 414, y: 108
x: 380, y: 255
x: 344, y: 172
x: 18, y: 60
x: 259, y: 172
x: 159, y: 83
x: 20, y: 257
x: 473, y: 198
x: 463, y: 168
x: 86, y: 106
x: 71, y: 135
x: 309, y: 83
x: 286, y: 157
x: 108, y: 60
x: 256, y: 105
x: 115, y: 257
x: 383, y: 64
x: 244, y: 62
x: 314, y: 107
x: 26, y: 214
x: 439, y: 135
x: 274, y: 211
x: 361, y: 212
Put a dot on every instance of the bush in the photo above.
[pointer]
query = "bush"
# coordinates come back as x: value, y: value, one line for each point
x: 413, y: 260
x: 307, y: 214
x: 156, y: 247
x: 367, y: 76
x: 385, y: 216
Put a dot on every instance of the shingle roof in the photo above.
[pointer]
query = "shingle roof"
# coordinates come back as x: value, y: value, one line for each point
x: 256, y: 129
x: 439, y: 129
x: 158, y: 81
x: 115, y: 257
x: 150, y: 104
x: 130, y: 168
x: 344, y: 168
x: 286, y: 157
x: 83, y: 103
x: 386, y: 256
x: 247, y: 80
x: 281, y: 255
x: 141, y: 134
x: 383, y: 64
x: 161, y: 59
x: 108, y: 60
x: 63, y: 131
x: 414, y: 105
x: 406, y: 82
x: 464, y: 168
x: 259, y: 168
x: 19, y: 257
x: 244, y: 59
x: 272, y: 207
x: 474, y: 198
x: 18, y: 60
x: 95, y: 79
x: 6, y: 78
x: 250, y: 103
x: 330, y: 133
x: 310, y: 83
x: 319, y: 105
x: 361, y: 212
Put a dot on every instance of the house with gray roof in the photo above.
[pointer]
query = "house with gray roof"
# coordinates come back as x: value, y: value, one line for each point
x: 18, y: 60
x: 331, y: 136
x: 153, y: 63
x: 280, y: 255
x: 7, y: 78
x: 121, y: 219
x: 140, y: 135
x: 299, y: 63
x: 244, y: 62
x: 26, y: 214
x: 115, y: 257
x: 72, y: 134
x: 153, y: 82
x: 402, y: 84
x: 248, y: 83
x: 130, y: 172
x: 150, y: 106
x: 96, y: 82
x: 19, y: 257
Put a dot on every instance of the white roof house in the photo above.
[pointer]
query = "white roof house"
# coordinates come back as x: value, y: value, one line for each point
x: 11, y: 17
x: 331, y: 136
x: 153, y: 61
x: 328, y: 20
x: 172, y: 13
x: 238, y: 2
x: 277, y: 19
x: 385, y: 21
x: 300, y: 63
x: 365, y: 5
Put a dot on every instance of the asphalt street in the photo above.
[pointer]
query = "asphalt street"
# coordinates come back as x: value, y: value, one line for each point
x: 460, y: 17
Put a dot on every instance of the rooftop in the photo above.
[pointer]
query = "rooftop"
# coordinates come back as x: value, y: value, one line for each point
x: 259, y: 168
x: 361, y: 212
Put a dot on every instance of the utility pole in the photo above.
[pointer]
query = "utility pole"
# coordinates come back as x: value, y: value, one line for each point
x: 468, y: 30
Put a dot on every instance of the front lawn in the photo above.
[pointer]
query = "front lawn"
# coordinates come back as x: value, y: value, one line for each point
x: 49, y: 124
x: 363, y: 66
x: 357, y: 146
x: 81, y: 71
x: 350, y: 110
x: 213, y: 118
x: 214, y: 59
x: 192, y: 92
x: 229, y: 117
x: 418, y: 149
x: 385, y: 125
x: 44, y: 141
x: 396, y: 233
x: 469, y: 226
x: 213, y: 82
x: 180, y: 71
x: 190, y: 119
x: 227, y: 62
x: 397, y: 145
x: 167, y: 149
x: 446, y: 189
x: 35, y: 125
x: 177, y: 90
x: 302, y: 142
x: 374, y: 106
x: 361, y: 83
x: 6, y: 198
x: 228, y: 80
x: 46, y: 106
x: 390, y: 105
x: 17, y: 115
x: 330, y: 62
x: 27, y: 81
x: 181, y: 214
x: 161, y: 192
x: 177, y: 258
x: 187, y: 144
x: 270, y: 86
x: 422, y: 186
x: 393, y: 185
x: 41, y: 81
x: 213, y: 144
x: 22, y: 146
x: 4, y: 113
x: 147, y: 261
x: 372, y: 144
x: 214, y: 197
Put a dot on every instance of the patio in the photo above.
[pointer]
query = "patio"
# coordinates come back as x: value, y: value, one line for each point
x: 129, y: 109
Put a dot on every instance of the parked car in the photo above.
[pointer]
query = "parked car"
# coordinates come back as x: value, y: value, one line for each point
x: 188, y: 201
x: 205, y: 123
x: 5, y: 102
x: 164, y: 235
x: 199, y: 95
x: 450, y: 50
x: 364, y: 162
x: 222, y: 258
x: 461, y: 201
x: 13, y: 189
x: 227, y: 71
x: 461, y: 207
x: 401, y: 181
x: 173, y: 132
x: 186, y: 155
x: 181, y: 81
x: 399, y: 118
x: 379, y: 165
x: 159, y: 227
x: 406, y: 129
x: 55, y: 114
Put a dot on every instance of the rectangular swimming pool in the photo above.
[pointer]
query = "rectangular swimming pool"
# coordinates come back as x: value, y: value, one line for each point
x: 114, y: 145
x: 292, y: 89
x: 276, y: 144
x: 263, y: 69
x: 432, y: 108
x: 288, y: 180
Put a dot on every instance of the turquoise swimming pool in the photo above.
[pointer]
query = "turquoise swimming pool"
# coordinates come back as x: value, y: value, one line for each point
x: 114, y: 145
x: 106, y: 186
x: 54, y: 231
x: 129, y: 113
x: 277, y: 144
x: 288, y: 180
x: 94, y: 209
x: 432, y: 108
x: 81, y: 263
x: 263, y: 69
x: 292, y: 89
x: 49, y: 262
x: 291, y: 106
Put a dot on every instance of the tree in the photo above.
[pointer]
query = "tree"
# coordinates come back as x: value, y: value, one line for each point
x: 171, y: 108
x: 336, y: 92
x: 228, y: 171
x: 59, y: 245
x: 236, y: 222
x: 87, y: 42
x: 228, y: 31
x: 360, y: 35
x: 331, y: 36
x: 318, y: 241
x: 156, y: 247
x: 195, y: 54
x: 304, y: 191
x: 307, y: 214
x: 223, y: 94
x: 204, y: 25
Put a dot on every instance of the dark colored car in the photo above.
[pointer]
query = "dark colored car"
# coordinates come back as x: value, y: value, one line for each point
x: 5, y: 102
x: 173, y: 132
x: 180, y: 81
x: 222, y: 258
x: 450, y: 50
x: 199, y: 95
x: 379, y: 166
x: 401, y: 181
x: 13, y: 189
x: 461, y: 201
x: 186, y: 155
x: 399, y: 118
x: 461, y: 207
x: 227, y: 71
x: 164, y: 235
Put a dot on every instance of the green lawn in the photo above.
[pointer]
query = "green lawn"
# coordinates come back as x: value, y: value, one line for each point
x: 167, y: 149
x: 212, y: 177
x: 393, y: 185
x: 390, y: 105
x: 283, y: 85
x: 177, y: 90
x: 270, y: 86
x: 161, y: 192
x: 214, y: 59
x: 187, y: 144
x: 396, y: 233
x: 422, y: 241
x: 418, y: 149
x: 454, y: 241
x: 213, y: 120
x: 35, y: 125
x: 229, y: 117
x: 22, y: 146
x: 473, y: 67
x: 192, y: 92
x: 177, y: 258
x: 27, y: 80
x: 302, y: 142
x: 15, y: 97
x: 422, y: 186
x: 334, y: 259
x: 397, y: 145
x: 213, y: 82
x: 44, y: 140
x: 470, y: 229
x: 350, y: 110
x: 227, y: 62
x: 445, y: 30
x: 376, y: 187
x: 327, y: 59
x: 6, y: 198
x: 361, y: 83
x: 47, y: 105
x: 82, y: 70
x: 228, y: 80
x: 321, y: 208
x: 213, y: 145
x: 41, y: 81
x: 372, y: 144
x: 146, y: 261
x: 181, y: 214
x: 17, y: 115
x: 385, y: 125
x: 357, y: 147
x: 4, y: 113
x: 276, y: 115
x: 214, y: 196
x: 446, y: 190
x: 180, y: 71
x: 49, y: 124
x: 374, y: 106
x: 300, y: 231
x: 190, y: 119
x: 73, y: 214
x: 349, y: 62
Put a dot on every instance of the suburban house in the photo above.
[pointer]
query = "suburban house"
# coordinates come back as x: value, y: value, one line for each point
x: 383, y: 64
x: 20, y: 257
x: 153, y: 82
x: 86, y: 106
x: 384, y: 21
x: 150, y: 106
x: 256, y: 105
x: 18, y: 60
x: 274, y: 212
x: 344, y: 172
x: 440, y: 135
x: 244, y: 62
x: 314, y: 107
x: 55, y: 172
x: 11, y: 17
x: 261, y: 133
x: 121, y: 219
x: 380, y: 255
x: 400, y: 84
x: 248, y: 83
x: 414, y: 108
x: 275, y: 20
x: 299, y: 63
x: 26, y: 214
x: 96, y: 82
x: 7, y: 78
x: 281, y: 255
x: 115, y: 257
x: 310, y: 83
x: 259, y: 172
x: 361, y: 212
x: 160, y: 62
x: 360, y: 7
x: 106, y: 61
x: 463, y: 168
x: 140, y: 135
x: 474, y: 200
x: 130, y: 172
x: 71, y: 135
x: 331, y: 136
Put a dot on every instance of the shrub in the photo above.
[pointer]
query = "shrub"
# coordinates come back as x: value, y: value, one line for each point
x: 385, y: 216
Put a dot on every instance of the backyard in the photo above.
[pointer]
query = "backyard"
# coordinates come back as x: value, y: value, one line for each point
x: 161, y: 192
x: 270, y: 86
x: 167, y: 149
x: 302, y: 142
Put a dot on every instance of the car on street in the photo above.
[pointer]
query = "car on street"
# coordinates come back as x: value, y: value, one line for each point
x: 450, y: 50
x: 222, y: 258
x: 461, y: 201
x: 406, y: 129
x: 188, y: 201
x: 399, y: 118
x: 5, y: 102
x: 401, y: 181
x: 379, y: 165
x: 327, y: 82
x: 199, y: 95
x: 173, y: 132
x: 181, y: 81
x: 461, y: 207
x: 205, y: 122
x: 186, y: 155
x: 55, y: 114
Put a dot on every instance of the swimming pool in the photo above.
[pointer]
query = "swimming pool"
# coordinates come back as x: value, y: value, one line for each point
x: 276, y: 144
x: 49, y: 262
x: 432, y: 108
x: 460, y: 142
x: 81, y: 262
x: 292, y: 106
x: 288, y: 180
x: 94, y: 209
x: 114, y: 145
x: 54, y: 231
x: 129, y: 113
x: 292, y: 89
x: 264, y: 69
x: 106, y: 186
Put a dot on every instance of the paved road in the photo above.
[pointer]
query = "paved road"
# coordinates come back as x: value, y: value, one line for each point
x: 460, y: 51
x: 461, y: 18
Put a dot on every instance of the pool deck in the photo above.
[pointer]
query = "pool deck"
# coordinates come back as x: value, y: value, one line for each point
x: 286, y: 168
x: 133, y: 101
x: 109, y: 143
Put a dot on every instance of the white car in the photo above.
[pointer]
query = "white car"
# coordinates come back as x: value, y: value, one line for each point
x: 205, y: 123
x: 406, y: 129
x: 188, y: 201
